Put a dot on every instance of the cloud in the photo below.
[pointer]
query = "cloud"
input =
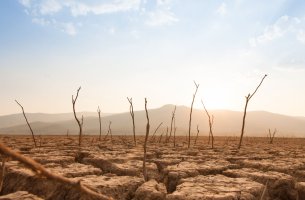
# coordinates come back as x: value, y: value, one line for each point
x: 222, y: 9
x: 284, y: 25
x: 77, y: 8
x: 66, y: 27
x: 25, y: 3
x: 161, y: 17
x: 50, y: 7
x: 41, y: 21
x: 301, y: 36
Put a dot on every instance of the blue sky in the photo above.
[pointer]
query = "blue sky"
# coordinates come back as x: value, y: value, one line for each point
x: 153, y: 49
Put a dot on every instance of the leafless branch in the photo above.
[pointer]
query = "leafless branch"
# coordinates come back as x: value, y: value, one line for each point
x: 26, y: 119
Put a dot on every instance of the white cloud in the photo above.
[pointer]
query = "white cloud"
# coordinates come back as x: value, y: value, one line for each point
x: 222, y: 9
x: 301, y: 36
x: 50, y: 7
x: 41, y: 21
x: 161, y: 17
x: 284, y: 25
x: 25, y: 3
x: 77, y: 8
x: 68, y: 28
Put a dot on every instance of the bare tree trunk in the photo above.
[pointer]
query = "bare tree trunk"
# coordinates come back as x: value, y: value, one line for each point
x: 109, y: 132
x: 175, y: 132
x: 245, y: 111
x: 133, y: 123
x: 145, y: 143
x: 153, y: 136
x: 190, y: 121
x: 166, y: 135
x: 271, y: 136
x: 160, y: 138
x: 100, y: 121
x: 172, y: 120
x: 211, y: 122
x: 26, y: 119
x: 80, y: 124
x: 196, y: 135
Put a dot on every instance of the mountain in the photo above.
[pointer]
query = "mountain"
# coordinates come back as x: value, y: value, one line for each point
x: 226, y: 122
x: 18, y: 119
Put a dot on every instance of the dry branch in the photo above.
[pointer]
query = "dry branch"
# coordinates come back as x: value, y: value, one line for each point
x: 100, y: 121
x: 190, y: 121
x: 145, y: 143
x: 133, y: 123
x: 196, y: 135
x: 2, y: 173
x: 80, y: 124
x: 271, y: 136
x: 39, y: 169
x: 26, y: 119
x: 153, y: 136
x: 245, y: 110
x: 172, y: 120
x: 175, y: 128
x: 211, y: 122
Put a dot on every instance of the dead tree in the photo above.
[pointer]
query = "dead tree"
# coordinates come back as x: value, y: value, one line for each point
x: 160, y: 138
x: 271, y: 136
x: 172, y: 120
x: 26, y: 119
x: 133, y: 123
x: 248, y: 97
x: 211, y: 122
x: 80, y: 123
x: 166, y: 135
x: 153, y: 136
x: 109, y: 132
x: 42, y: 171
x: 145, y: 143
x: 190, y: 121
x: 175, y: 128
x: 100, y: 122
x: 196, y: 135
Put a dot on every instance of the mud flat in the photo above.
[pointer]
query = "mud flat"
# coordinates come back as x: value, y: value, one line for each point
x: 115, y: 168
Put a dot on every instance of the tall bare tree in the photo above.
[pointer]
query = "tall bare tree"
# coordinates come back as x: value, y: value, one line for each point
x: 190, y: 121
x: 26, y: 119
x: 211, y: 122
x: 172, y: 121
x: 145, y: 143
x: 248, y: 97
x: 100, y: 122
x: 80, y: 123
x: 133, y: 123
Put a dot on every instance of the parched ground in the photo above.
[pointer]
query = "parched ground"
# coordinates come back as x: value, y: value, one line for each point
x: 258, y: 170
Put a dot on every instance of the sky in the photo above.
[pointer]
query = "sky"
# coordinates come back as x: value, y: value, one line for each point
x: 151, y: 48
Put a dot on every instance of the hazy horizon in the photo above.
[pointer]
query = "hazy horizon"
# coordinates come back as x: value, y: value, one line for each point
x: 153, y: 49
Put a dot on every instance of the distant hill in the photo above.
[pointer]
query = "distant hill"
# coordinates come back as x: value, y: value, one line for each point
x: 18, y: 119
x: 226, y: 122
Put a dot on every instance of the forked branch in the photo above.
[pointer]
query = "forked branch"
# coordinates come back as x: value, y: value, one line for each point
x: 26, y: 119
x: 245, y: 110
x: 80, y: 123
x: 211, y: 122
x: 145, y: 143
x: 190, y: 121
x: 133, y: 122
